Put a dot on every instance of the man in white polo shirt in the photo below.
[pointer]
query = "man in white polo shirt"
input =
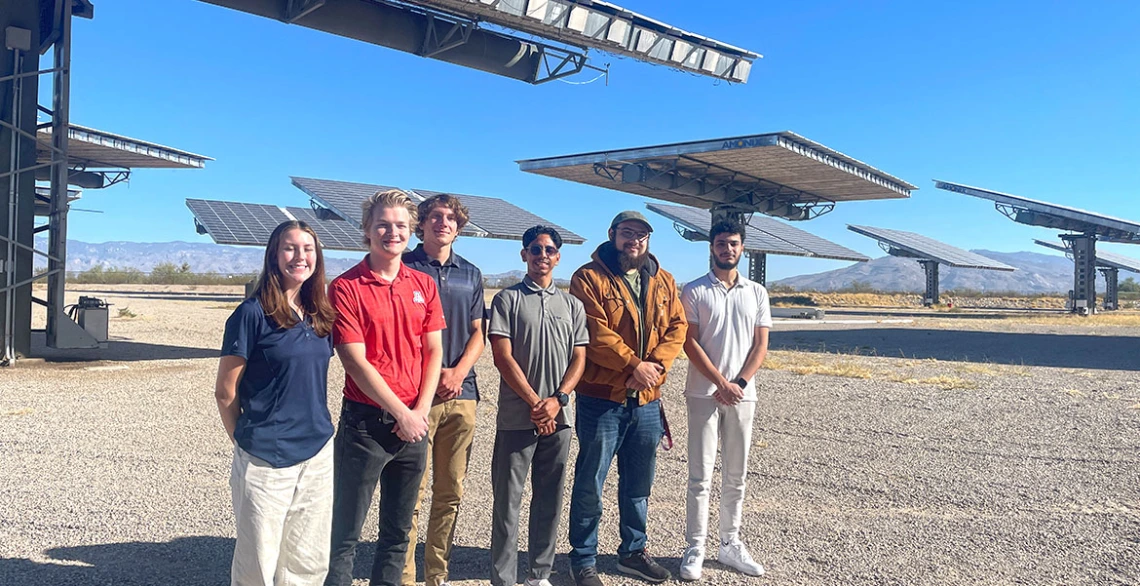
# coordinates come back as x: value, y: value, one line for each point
x: 729, y: 318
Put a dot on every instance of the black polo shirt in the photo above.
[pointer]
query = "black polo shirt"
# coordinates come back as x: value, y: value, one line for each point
x: 460, y: 285
x: 283, y: 392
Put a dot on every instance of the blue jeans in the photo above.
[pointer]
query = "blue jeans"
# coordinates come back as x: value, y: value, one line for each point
x: 606, y: 429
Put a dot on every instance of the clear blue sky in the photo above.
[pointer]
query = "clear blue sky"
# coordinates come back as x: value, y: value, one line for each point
x: 1040, y: 99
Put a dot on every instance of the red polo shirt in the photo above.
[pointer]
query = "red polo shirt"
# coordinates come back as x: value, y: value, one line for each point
x: 390, y: 319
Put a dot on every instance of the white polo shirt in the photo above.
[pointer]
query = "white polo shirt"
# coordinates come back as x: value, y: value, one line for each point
x: 727, y: 319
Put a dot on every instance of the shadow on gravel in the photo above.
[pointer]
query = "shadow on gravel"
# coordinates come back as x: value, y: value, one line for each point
x: 474, y: 563
x: 1029, y: 349
x: 200, y: 560
x: 119, y: 351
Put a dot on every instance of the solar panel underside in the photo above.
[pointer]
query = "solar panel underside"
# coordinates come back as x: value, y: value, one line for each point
x: 1068, y: 218
x: 701, y: 221
x: 1103, y: 258
x: 489, y: 217
x: 784, y: 158
x: 922, y: 247
x: 230, y: 222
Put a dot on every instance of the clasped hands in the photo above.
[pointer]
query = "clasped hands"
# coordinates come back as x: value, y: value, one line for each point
x: 543, y: 415
x: 646, y: 376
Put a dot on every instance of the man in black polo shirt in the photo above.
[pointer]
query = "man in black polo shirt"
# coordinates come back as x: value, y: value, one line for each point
x: 451, y: 425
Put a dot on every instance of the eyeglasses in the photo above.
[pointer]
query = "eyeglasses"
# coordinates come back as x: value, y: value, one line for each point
x: 633, y: 234
x: 537, y: 250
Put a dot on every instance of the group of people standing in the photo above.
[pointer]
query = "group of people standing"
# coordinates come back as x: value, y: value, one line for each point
x: 408, y: 327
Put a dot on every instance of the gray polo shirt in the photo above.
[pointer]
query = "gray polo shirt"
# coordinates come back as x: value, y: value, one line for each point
x: 544, y: 326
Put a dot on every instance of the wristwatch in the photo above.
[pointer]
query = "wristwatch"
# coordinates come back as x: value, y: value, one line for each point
x: 563, y: 398
x: 740, y: 382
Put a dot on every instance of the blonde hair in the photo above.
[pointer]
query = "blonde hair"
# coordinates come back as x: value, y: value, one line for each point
x: 389, y: 198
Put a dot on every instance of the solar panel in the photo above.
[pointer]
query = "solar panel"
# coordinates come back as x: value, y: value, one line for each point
x: 768, y: 170
x: 230, y: 222
x: 335, y: 232
x: 489, y: 217
x: 700, y: 221
x: 818, y: 247
x: 1103, y: 259
x: 97, y: 149
x: 1038, y: 213
x: 909, y: 244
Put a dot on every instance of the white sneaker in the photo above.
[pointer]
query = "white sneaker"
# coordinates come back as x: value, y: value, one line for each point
x: 735, y: 555
x: 537, y: 582
x: 691, y: 562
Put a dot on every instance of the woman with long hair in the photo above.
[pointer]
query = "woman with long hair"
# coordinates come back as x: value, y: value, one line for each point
x: 271, y: 393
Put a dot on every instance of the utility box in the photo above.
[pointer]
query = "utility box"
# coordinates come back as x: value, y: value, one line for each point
x: 92, y: 316
x: 250, y: 287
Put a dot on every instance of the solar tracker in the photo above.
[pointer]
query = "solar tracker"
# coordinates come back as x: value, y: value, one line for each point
x: 1103, y: 259
x: 1038, y: 213
x: 909, y: 244
x: 779, y: 174
x: 489, y: 217
x: 763, y: 235
x: 700, y: 221
x: 89, y: 148
x: 230, y: 222
x: 248, y: 224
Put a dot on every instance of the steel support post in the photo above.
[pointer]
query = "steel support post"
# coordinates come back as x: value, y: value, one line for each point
x: 1083, y: 249
x: 758, y: 268
x: 930, y: 267
x: 1111, y: 274
x: 19, y: 60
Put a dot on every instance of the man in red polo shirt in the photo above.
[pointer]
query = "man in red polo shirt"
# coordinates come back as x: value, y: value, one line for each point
x: 387, y: 335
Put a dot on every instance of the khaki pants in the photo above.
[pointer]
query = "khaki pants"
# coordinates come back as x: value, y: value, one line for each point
x: 283, y: 518
x: 451, y: 427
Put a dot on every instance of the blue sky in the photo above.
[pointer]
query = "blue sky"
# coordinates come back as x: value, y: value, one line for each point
x: 1039, y: 99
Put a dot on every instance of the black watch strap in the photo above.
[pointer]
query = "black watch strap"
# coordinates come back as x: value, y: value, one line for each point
x: 740, y: 382
x: 563, y: 399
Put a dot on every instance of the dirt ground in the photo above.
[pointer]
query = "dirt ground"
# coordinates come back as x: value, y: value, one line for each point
x: 890, y: 448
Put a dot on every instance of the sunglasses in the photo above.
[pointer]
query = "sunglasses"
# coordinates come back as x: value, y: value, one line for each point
x: 537, y: 250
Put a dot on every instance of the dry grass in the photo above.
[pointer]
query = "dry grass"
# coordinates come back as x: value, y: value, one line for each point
x: 803, y: 364
x: 18, y: 412
x: 840, y: 365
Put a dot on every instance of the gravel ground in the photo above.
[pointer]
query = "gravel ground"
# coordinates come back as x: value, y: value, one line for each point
x: 1019, y: 464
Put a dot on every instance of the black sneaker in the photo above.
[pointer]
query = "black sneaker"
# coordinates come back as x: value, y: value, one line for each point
x: 587, y: 576
x: 640, y: 564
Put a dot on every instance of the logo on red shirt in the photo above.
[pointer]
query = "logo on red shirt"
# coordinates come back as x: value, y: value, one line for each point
x: 418, y: 297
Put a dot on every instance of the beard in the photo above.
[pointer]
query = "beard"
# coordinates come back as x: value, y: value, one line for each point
x: 629, y: 262
x: 726, y: 265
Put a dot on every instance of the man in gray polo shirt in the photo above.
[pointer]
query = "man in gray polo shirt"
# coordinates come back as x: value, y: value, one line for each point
x: 538, y: 338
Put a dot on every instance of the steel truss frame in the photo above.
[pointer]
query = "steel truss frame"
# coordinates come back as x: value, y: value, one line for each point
x: 718, y: 186
x: 61, y: 331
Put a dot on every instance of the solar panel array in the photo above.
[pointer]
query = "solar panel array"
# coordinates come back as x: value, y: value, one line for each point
x: 922, y: 247
x: 762, y: 234
x: 230, y: 222
x: 250, y: 224
x: 1039, y: 213
x: 335, y: 232
x: 489, y: 217
x: 1104, y: 259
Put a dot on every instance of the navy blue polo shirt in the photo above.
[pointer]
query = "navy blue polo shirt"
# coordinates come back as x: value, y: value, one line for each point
x: 283, y: 392
x: 460, y: 285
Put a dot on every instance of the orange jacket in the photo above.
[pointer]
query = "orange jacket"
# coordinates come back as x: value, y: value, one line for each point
x: 613, y: 320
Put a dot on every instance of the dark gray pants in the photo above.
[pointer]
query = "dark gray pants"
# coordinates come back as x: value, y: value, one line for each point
x: 367, y: 451
x: 516, y: 453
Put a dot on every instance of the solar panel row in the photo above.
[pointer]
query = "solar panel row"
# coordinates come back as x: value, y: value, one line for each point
x: 249, y: 224
x: 922, y: 247
x: 1103, y: 258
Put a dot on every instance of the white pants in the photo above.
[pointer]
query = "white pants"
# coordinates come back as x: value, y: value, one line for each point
x: 708, y: 421
x: 284, y: 520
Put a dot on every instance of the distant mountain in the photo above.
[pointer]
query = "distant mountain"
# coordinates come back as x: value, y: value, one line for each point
x: 1036, y: 273
x: 202, y: 257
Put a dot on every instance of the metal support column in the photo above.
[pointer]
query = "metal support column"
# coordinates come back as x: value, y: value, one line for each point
x: 1111, y: 275
x: 1083, y: 249
x: 758, y: 268
x: 930, y: 267
x: 57, y: 217
x: 19, y: 85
